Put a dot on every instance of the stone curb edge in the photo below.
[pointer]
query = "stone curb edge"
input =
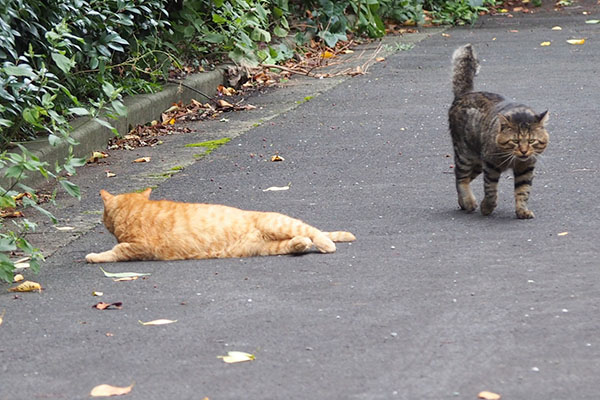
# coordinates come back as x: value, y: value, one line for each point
x: 141, y: 109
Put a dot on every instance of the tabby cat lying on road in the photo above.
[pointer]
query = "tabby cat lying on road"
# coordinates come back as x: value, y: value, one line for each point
x: 167, y: 230
x: 491, y: 134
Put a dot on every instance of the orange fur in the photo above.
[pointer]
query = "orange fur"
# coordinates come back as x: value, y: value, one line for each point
x: 167, y: 230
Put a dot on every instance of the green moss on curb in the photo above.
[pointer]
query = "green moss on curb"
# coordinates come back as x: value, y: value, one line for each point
x: 210, y: 145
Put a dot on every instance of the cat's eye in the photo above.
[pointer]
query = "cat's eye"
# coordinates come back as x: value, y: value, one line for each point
x: 515, y: 140
x: 531, y: 141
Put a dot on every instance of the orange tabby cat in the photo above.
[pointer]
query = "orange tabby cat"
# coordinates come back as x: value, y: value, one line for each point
x: 167, y: 230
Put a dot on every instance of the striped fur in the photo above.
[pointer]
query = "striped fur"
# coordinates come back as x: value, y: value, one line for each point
x: 491, y: 135
x: 167, y: 230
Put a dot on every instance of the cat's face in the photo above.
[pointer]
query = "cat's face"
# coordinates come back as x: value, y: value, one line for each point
x: 522, y: 136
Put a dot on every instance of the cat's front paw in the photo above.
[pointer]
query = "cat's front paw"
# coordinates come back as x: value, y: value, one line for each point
x: 469, y: 204
x: 93, y: 258
x: 524, y: 213
x: 487, y: 207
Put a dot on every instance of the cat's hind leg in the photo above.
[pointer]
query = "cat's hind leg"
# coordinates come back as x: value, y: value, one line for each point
x: 340, y: 236
x: 121, y: 252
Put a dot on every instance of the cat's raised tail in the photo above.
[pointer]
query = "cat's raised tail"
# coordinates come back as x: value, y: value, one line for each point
x: 465, y: 66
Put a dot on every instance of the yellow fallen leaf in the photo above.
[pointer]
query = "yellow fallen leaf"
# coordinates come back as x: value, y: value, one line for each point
x: 328, y: 54
x: 503, y: 10
x: 563, y: 234
x: 158, y: 322
x: 556, y: 28
x: 277, y: 158
x: 126, y: 278
x: 545, y: 44
x: 142, y: 159
x: 236, y: 357
x: 172, y: 121
x: 27, y: 286
x: 18, y: 278
x: 108, y: 390
x: 488, y: 395
x: 576, y: 41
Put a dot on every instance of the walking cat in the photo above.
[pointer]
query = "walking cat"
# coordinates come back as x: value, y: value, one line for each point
x: 491, y: 134
x: 167, y: 230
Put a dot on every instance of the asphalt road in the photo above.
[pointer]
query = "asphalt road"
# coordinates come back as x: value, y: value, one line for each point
x: 428, y: 303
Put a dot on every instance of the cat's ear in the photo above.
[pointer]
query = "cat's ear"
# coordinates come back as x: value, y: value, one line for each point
x: 146, y: 193
x: 105, y: 195
x: 543, y: 117
x: 503, y: 121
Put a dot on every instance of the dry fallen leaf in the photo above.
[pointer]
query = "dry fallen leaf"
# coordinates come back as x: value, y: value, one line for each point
x: 514, y: 31
x: 174, y: 107
x: 576, y: 41
x: 126, y: 278
x: 158, y: 322
x: 379, y: 59
x: 2, y: 316
x: 142, y: 159
x: 122, y: 274
x: 108, y: 390
x: 236, y: 357
x: 488, y: 395
x: 224, y: 104
x: 277, y: 158
x: 563, y: 234
x: 110, y: 174
x: 103, y: 306
x: 97, y: 293
x: 64, y: 228
x: 545, y: 44
x: 97, y: 155
x: 445, y: 35
x: 593, y: 21
x: 276, y: 188
x: 556, y: 28
x: 27, y: 286
x: 18, y: 278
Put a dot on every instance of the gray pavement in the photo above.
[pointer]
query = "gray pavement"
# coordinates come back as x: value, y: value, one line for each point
x: 428, y: 303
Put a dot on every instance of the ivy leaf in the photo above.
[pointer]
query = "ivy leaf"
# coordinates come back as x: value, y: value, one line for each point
x: 19, y: 70
x: 79, y: 111
x: 71, y: 188
x: 63, y: 62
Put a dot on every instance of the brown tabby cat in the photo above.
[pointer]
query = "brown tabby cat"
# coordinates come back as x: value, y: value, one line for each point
x: 491, y: 134
x: 167, y: 230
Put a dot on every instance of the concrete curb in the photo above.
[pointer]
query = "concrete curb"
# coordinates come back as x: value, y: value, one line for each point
x: 140, y: 110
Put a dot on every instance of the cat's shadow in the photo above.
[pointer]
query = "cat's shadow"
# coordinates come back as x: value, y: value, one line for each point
x: 499, y: 216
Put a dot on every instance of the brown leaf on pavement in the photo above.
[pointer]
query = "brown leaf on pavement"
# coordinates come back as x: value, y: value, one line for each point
x: 103, y: 306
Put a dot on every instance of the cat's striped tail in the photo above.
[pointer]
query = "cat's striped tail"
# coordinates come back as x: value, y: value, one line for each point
x: 465, y: 66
